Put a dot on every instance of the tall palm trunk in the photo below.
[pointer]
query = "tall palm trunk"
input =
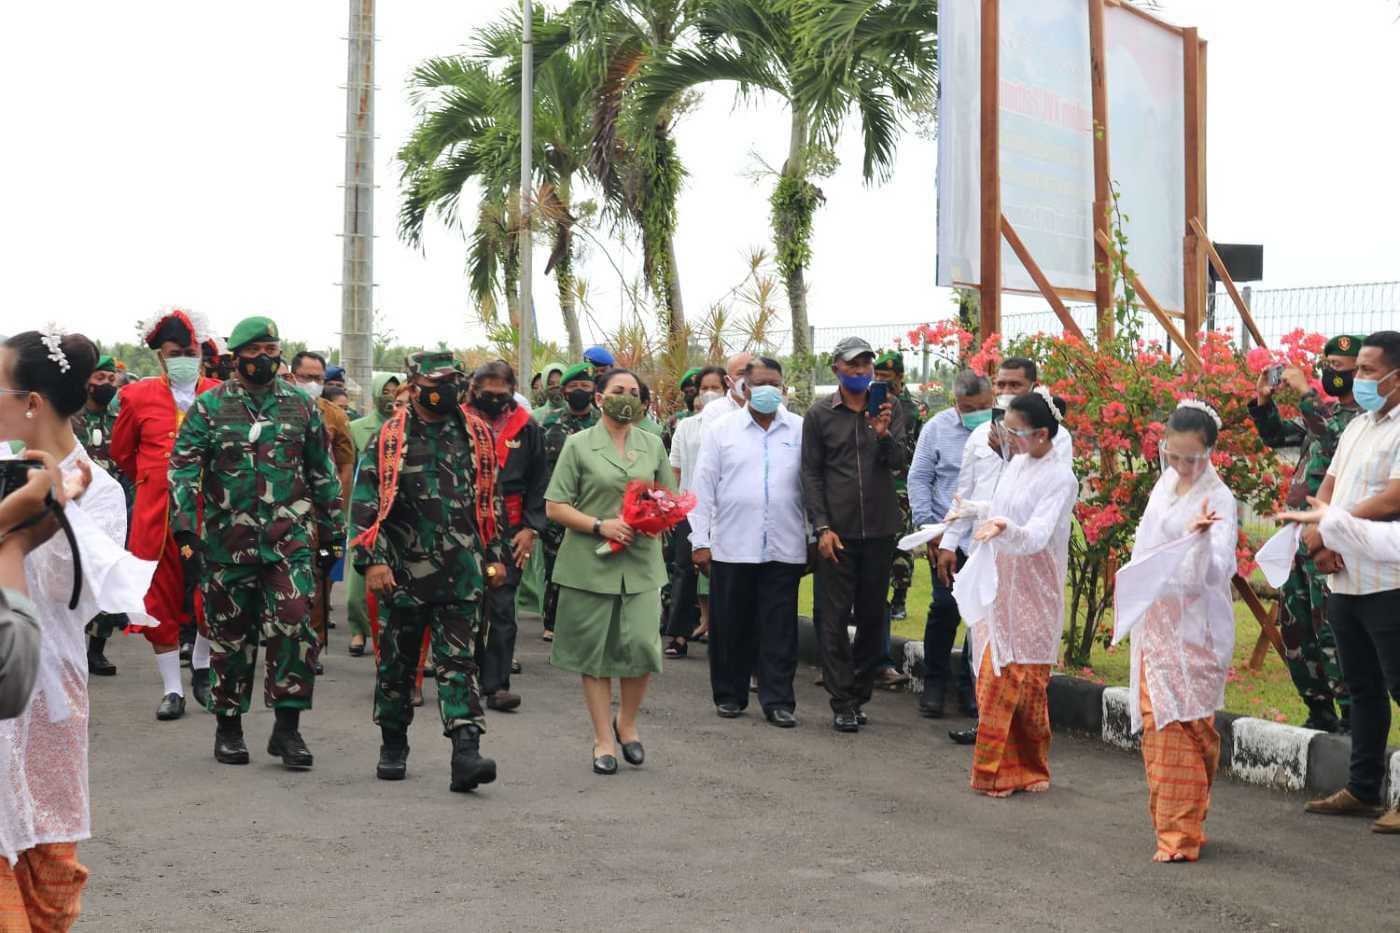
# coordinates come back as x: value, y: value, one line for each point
x: 674, y: 305
x: 786, y: 231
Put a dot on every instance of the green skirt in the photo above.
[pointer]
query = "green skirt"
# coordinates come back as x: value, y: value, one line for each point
x: 607, y: 635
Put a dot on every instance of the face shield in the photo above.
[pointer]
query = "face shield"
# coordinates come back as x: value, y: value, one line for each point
x: 1187, y: 466
x: 1017, y: 440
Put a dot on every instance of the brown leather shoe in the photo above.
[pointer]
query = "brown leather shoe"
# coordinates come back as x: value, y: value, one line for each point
x: 1342, y: 803
x: 1389, y: 823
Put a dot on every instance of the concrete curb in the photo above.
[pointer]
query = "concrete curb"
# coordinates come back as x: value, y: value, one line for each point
x: 1255, y: 751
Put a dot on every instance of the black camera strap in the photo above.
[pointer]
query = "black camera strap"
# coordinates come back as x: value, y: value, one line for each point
x: 51, y: 505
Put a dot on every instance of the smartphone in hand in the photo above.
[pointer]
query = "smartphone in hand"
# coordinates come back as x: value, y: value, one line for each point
x: 879, y: 393
x: 1274, y: 374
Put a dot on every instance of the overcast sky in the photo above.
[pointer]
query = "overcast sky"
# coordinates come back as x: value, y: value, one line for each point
x: 173, y: 152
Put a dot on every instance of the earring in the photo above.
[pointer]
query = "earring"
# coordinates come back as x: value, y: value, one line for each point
x: 29, y: 414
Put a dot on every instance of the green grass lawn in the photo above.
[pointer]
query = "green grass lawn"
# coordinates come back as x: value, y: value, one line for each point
x: 1266, y: 693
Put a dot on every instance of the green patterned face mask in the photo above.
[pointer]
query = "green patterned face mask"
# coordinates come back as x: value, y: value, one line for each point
x: 624, y: 409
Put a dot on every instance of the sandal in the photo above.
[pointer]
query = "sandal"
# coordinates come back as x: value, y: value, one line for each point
x: 677, y: 648
x: 701, y: 634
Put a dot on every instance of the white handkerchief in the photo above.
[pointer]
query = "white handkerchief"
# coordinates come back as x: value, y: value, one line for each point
x: 975, y: 586
x: 1275, y: 558
x: 1137, y: 585
x: 924, y: 535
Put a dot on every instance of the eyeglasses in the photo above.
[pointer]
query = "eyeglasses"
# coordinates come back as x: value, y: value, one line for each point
x: 1022, y: 433
x: 23, y: 393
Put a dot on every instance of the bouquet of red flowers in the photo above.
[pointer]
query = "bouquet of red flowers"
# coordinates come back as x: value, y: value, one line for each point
x: 650, y: 509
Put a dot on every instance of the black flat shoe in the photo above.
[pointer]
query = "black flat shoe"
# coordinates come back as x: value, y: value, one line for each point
x: 632, y: 751
x: 782, y: 718
x: 963, y: 736
x: 604, y: 764
x: 356, y: 651
x: 728, y: 711
x: 172, y: 706
x: 845, y: 722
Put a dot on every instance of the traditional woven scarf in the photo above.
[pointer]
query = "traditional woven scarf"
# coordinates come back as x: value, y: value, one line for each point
x: 392, y: 443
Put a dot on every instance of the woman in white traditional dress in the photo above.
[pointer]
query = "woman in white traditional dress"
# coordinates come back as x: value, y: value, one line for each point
x: 1175, y: 599
x: 43, y: 751
x: 1012, y: 595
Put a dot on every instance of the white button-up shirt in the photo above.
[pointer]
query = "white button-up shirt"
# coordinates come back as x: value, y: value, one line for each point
x: 1365, y: 461
x: 748, y: 487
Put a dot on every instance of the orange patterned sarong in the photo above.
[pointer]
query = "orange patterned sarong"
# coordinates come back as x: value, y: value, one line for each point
x: 42, y: 893
x: 1181, y: 761
x: 1013, y: 733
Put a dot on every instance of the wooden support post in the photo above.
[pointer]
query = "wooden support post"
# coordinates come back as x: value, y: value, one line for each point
x: 1223, y: 274
x: 1194, y: 275
x: 1041, y: 282
x: 1264, y: 617
x: 1188, y: 348
x: 991, y: 170
x: 1103, y: 193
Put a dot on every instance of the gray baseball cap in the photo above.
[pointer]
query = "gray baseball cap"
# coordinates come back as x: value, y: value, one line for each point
x: 850, y: 348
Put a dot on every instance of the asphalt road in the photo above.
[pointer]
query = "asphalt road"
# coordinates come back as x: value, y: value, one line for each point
x: 731, y: 825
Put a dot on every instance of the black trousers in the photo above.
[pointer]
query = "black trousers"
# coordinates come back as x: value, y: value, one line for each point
x: 684, y: 616
x: 753, y: 627
x: 1367, y: 629
x: 859, y: 580
x: 940, y: 630
x: 498, y: 631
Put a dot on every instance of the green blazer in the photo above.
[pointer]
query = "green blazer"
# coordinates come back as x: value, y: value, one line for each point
x: 592, y: 477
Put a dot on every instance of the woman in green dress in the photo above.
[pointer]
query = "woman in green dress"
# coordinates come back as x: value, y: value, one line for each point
x: 609, y: 606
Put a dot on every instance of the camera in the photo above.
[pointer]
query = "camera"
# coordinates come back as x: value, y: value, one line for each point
x: 14, y: 474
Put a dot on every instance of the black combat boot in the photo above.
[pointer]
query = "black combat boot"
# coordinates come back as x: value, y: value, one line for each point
x: 229, y: 747
x: 1322, y: 716
x: 286, y: 742
x: 468, y: 767
x: 199, y: 686
x: 97, y: 658
x: 393, y: 756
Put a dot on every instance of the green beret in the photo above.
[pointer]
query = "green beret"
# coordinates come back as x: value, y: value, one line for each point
x: 433, y: 363
x: 252, y: 330
x: 106, y: 364
x: 890, y: 359
x: 690, y: 374
x: 1343, y: 345
x: 577, y: 371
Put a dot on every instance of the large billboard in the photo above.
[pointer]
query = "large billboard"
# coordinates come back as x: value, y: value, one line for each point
x: 1047, y: 139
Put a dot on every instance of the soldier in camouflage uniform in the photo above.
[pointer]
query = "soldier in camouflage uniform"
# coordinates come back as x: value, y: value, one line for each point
x: 1309, y: 646
x: 93, y: 428
x: 578, y: 414
x: 889, y: 366
x: 429, y: 532
x: 254, y: 454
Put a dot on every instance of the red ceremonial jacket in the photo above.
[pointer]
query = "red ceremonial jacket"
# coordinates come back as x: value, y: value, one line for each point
x: 142, y: 440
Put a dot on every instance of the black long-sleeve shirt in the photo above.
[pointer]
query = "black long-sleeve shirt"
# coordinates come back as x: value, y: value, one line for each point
x: 848, y: 473
x: 526, y: 473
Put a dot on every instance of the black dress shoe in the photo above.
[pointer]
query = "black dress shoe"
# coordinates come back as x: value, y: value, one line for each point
x: 728, y: 710
x: 291, y: 748
x: 782, y: 718
x: 503, y: 701
x: 99, y: 665
x: 632, y: 751
x: 356, y: 651
x: 963, y: 736
x: 230, y: 749
x: 199, y: 687
x: 172, y: 706
x: 605, y: 764
x: 931, y: 710
x: 845, y: 722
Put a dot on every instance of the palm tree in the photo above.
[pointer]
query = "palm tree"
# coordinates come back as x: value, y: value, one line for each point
x: 633, y: 158
x: 887, y: 70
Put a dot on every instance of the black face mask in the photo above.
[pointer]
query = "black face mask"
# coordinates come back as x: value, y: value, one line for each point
x: 491, y: 405
x: 439, y: 399
x: 260, y: 369
x: 579, y: 399
x: 1336, y: 382
x: 102, y: 394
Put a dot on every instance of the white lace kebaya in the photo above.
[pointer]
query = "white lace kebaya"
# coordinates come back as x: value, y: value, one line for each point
x: 44, y: 750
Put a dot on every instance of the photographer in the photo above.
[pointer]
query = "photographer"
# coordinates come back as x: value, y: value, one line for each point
x: 70, y: 579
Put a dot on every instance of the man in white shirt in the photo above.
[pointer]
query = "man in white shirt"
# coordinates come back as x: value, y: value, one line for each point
x: 734, y: 399
x: 1017, y: 375
x: 749, y: 533
x: 1363, y: 607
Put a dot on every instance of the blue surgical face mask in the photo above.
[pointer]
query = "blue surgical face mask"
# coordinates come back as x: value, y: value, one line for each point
x: 856, y: 383
x: 1367, y: 392
x: 765, y: 399
x: 973, y: 420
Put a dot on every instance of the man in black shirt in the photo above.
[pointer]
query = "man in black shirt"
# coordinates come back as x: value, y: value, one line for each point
x: 849, y: 462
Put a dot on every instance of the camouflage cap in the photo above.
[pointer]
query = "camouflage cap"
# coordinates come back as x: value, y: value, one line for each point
x: 690, y: 374
x: 105, y: 364
x: 577, y: 371
x: 252, y: 330
x: 433, y: 363
x: 1343, y: 345
x: 890, y: 359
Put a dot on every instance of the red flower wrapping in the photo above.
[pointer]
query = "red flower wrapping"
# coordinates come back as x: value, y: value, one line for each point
x: 650, y: 509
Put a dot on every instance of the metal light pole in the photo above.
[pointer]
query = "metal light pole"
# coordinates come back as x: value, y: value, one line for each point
x: 357, y: 247
x: 527, y: 134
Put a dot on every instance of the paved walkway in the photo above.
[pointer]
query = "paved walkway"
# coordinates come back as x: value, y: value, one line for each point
x: 731, y: 825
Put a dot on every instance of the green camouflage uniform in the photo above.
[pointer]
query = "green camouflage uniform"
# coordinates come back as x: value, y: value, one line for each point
x: 93, y: 430
x: 558, y: 426
x: 260, y: 463
x: 902, y: 565
x: 1309, y: 646
x: 431, y: 543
